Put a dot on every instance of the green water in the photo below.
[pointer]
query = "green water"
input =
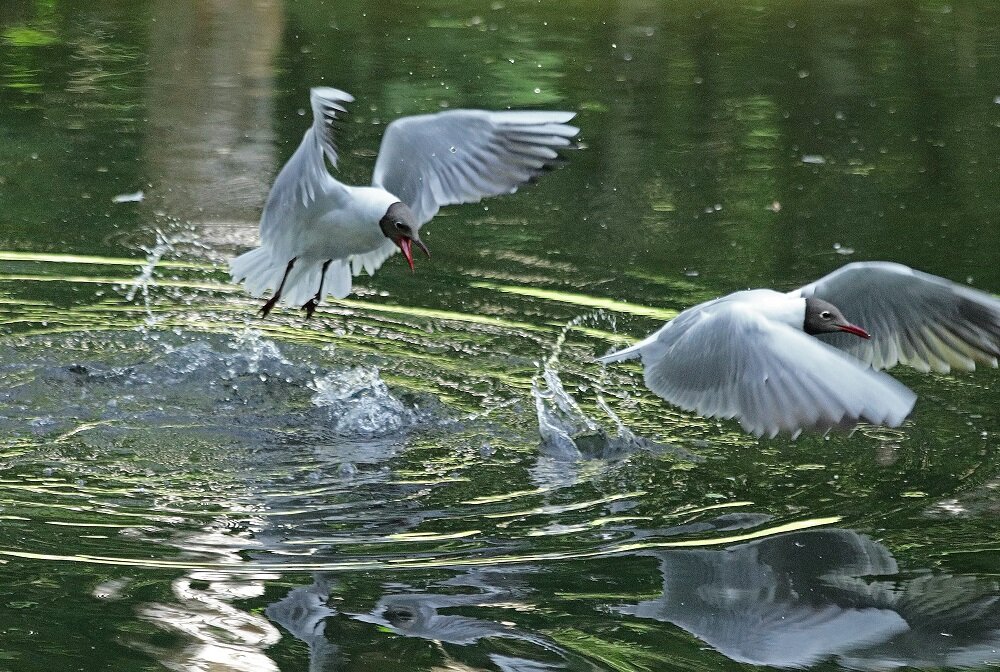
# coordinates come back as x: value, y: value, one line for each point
x: 184, y: 486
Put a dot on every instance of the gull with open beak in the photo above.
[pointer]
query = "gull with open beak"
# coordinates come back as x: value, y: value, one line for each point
x: 787, y: 362
x: 317, y: 233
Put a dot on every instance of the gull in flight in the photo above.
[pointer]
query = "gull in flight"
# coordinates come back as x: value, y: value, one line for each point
x: 788, y: 362
x: 317, y: 233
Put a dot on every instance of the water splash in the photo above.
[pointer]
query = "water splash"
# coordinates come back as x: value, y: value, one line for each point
x: 166, y: 244
x: 561, y: 421
x: 195, y: 385
x: 145, y: 277
x: 358, y: 402
x: 565, y: 428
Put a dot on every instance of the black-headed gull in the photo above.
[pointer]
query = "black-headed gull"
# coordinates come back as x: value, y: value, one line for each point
x: 787, y: 362
x: 316, y: 233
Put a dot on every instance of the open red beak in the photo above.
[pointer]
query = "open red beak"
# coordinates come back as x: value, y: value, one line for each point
x: 857, y: 331
x: 406, y: 246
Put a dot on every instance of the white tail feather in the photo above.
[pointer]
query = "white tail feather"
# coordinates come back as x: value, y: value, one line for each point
x: 622, y: 355
x: 261, y: 273
x: 630, y: 352
x: 257, y: 270
x: 302, y: 284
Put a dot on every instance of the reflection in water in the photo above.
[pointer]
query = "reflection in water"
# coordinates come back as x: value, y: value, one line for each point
x: 420, y: 614
x: 221, y: 637
x: 787, y: 601
x: 212, y: 157
x: 425, y: 615
x: 303, y: 612
x: 796, y: 599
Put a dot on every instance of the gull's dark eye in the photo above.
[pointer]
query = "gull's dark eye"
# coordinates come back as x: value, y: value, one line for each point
x: 402, y: 228
x: 826, y: 315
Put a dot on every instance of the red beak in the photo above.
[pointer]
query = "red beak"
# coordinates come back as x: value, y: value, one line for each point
x: 857, y: 331
x: 406, y: 245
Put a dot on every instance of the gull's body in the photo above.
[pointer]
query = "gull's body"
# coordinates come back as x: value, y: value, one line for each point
x: 767, y: 359
x: 317, y: 233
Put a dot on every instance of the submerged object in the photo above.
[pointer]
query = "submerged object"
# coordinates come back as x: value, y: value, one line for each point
x: 791, y: 362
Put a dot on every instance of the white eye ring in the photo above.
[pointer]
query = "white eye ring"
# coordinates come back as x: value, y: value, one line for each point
x: 826, y: 315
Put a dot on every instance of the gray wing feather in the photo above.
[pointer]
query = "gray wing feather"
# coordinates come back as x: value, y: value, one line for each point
x: 461, y: 156
x: 728, y: 362
x: 305, y: 178
x: 914, y: 318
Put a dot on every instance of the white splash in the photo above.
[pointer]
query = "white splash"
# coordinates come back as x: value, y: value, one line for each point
x: 359, y: 402
x: 145, y: 277
x: 564, y: 427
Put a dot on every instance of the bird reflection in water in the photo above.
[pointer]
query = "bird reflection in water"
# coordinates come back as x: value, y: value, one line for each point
x: 801, y: 598
x: 303, y: 611
x: 791, y: 600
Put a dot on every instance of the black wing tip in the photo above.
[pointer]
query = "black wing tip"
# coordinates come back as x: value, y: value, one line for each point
x: 981, y: 315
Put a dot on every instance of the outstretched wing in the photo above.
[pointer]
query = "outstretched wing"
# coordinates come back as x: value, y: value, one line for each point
x: 460, y: 156
x: 914, y: 318
x: 305, y: 178
x: 727, y: 361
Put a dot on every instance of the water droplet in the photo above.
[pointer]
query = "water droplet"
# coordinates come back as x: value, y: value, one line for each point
x: 452, y: 149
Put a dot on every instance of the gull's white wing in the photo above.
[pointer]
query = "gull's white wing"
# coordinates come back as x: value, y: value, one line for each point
x: 914, y: 318
x: 305, y: 179
x: 724, y: 360
x: 460, y: 156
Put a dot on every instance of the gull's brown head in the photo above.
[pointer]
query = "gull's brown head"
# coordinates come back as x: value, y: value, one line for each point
x: 822, y: 317
x: 400, y: 226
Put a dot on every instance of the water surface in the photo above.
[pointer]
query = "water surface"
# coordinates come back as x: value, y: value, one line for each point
x: 433, y: 473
